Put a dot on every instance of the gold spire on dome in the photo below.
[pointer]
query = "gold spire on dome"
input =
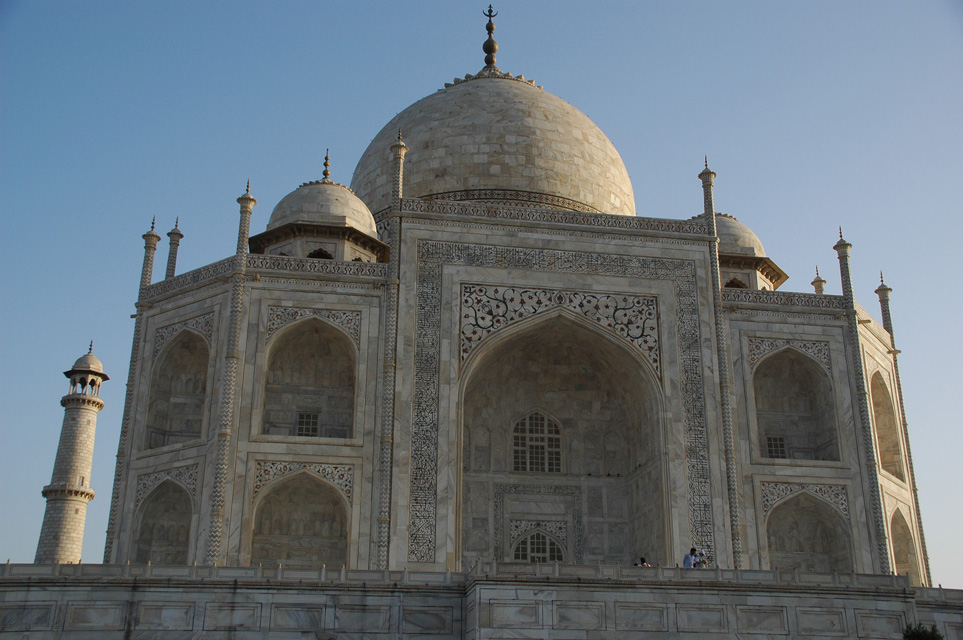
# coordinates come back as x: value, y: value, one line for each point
x: 91, y: 349
x: 327, y: 163
x: 490, y: 47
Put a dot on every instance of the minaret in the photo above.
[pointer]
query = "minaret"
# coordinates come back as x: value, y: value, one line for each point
x: 883, y: 292
x: 818, y: 283
x: 62, y: 535
x: 875, y: 508
x: 707, y: 176
x: 398, y: 151
x: 175, y: 236
x: 225, y: 425
x: 150, y: 246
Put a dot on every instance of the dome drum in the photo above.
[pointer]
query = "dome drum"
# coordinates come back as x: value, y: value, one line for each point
x: 321, y: 219
x: 331, y: 242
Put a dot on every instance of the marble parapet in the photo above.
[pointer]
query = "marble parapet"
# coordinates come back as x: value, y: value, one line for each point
x: 493, y: 600
x: 262, y: 264
x: 544, y: 218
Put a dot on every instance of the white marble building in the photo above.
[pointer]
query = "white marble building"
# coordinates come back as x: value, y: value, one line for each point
x: 479, y: 354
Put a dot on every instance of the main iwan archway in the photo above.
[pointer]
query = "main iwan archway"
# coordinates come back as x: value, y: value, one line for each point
x: 562, y: 448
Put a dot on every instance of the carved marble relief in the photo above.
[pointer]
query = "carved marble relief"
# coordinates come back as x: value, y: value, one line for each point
x: 558, y: 530
x: 486, y: 309
x: 340, y: 475
x: 760, y: 347
x: 204, y: 325
x: 185, y: 476
x: 350, y: 321
x: 774, y: 492
x: 433, y: 256
x: 575, y: 493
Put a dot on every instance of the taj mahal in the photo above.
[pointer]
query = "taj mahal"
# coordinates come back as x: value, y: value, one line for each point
x: 463, y: 395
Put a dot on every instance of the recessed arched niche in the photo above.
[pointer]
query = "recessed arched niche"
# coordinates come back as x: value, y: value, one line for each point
x: 310, y: 382
x: 178, y: 391
x: 301, y: 521
x: 808, y: 534
x: 887, y: 428
x: 162, y: 533
x: 562, y: 434
x: 905, y: 559
x: 795, y: 408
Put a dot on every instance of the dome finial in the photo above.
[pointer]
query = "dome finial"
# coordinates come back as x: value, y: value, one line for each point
x: 177, y: 222
x: 881, y: 277
x: 399, y: 135
x: 707, y: 161
x: 490, y: 46
x: 817, y: 270
x: 840, y: 232
x: 91, y: 349
x: 153, y: 221
x: 327, y: 163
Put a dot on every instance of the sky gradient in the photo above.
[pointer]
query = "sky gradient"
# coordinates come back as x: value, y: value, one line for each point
x: 814, y: 115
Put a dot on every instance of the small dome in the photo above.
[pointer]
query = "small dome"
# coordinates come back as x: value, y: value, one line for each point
x: 323, y: 202
x: 495, y: 137
x: 88, y: 363
x: 736, y: 238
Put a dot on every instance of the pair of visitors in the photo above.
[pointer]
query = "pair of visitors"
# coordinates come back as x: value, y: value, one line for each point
x: 689, y: 559
x: 693, y: 560
x: 642, y: 562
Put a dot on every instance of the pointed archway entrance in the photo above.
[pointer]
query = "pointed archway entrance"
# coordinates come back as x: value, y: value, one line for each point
x: 562, y: 449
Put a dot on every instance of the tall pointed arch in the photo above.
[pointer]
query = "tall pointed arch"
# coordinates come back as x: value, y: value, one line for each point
x: 905, y: 558
x: 595, y: 406
x: 300, y: 521
x: 807, y: 533
x: 795, y: 408
x: 309, y: 388
x: 178, y: 392
x: 162, y: 533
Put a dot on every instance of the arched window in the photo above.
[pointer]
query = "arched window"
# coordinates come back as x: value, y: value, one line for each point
x: 175, y: 410
x: 795, y: 408
x: 537, y: 444
x: 310, y: 383
x: 321, y: 254
x: 736, y: 283
x: 538, y: 547
x: 163, y: 530
x: 302, y: 522
x: 806, y: 533
x: 887, y: 428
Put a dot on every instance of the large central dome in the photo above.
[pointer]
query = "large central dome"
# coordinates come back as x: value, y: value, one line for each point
x: 496, y: 138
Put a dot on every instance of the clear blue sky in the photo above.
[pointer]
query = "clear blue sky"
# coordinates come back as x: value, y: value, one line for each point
x: 813, y: 114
